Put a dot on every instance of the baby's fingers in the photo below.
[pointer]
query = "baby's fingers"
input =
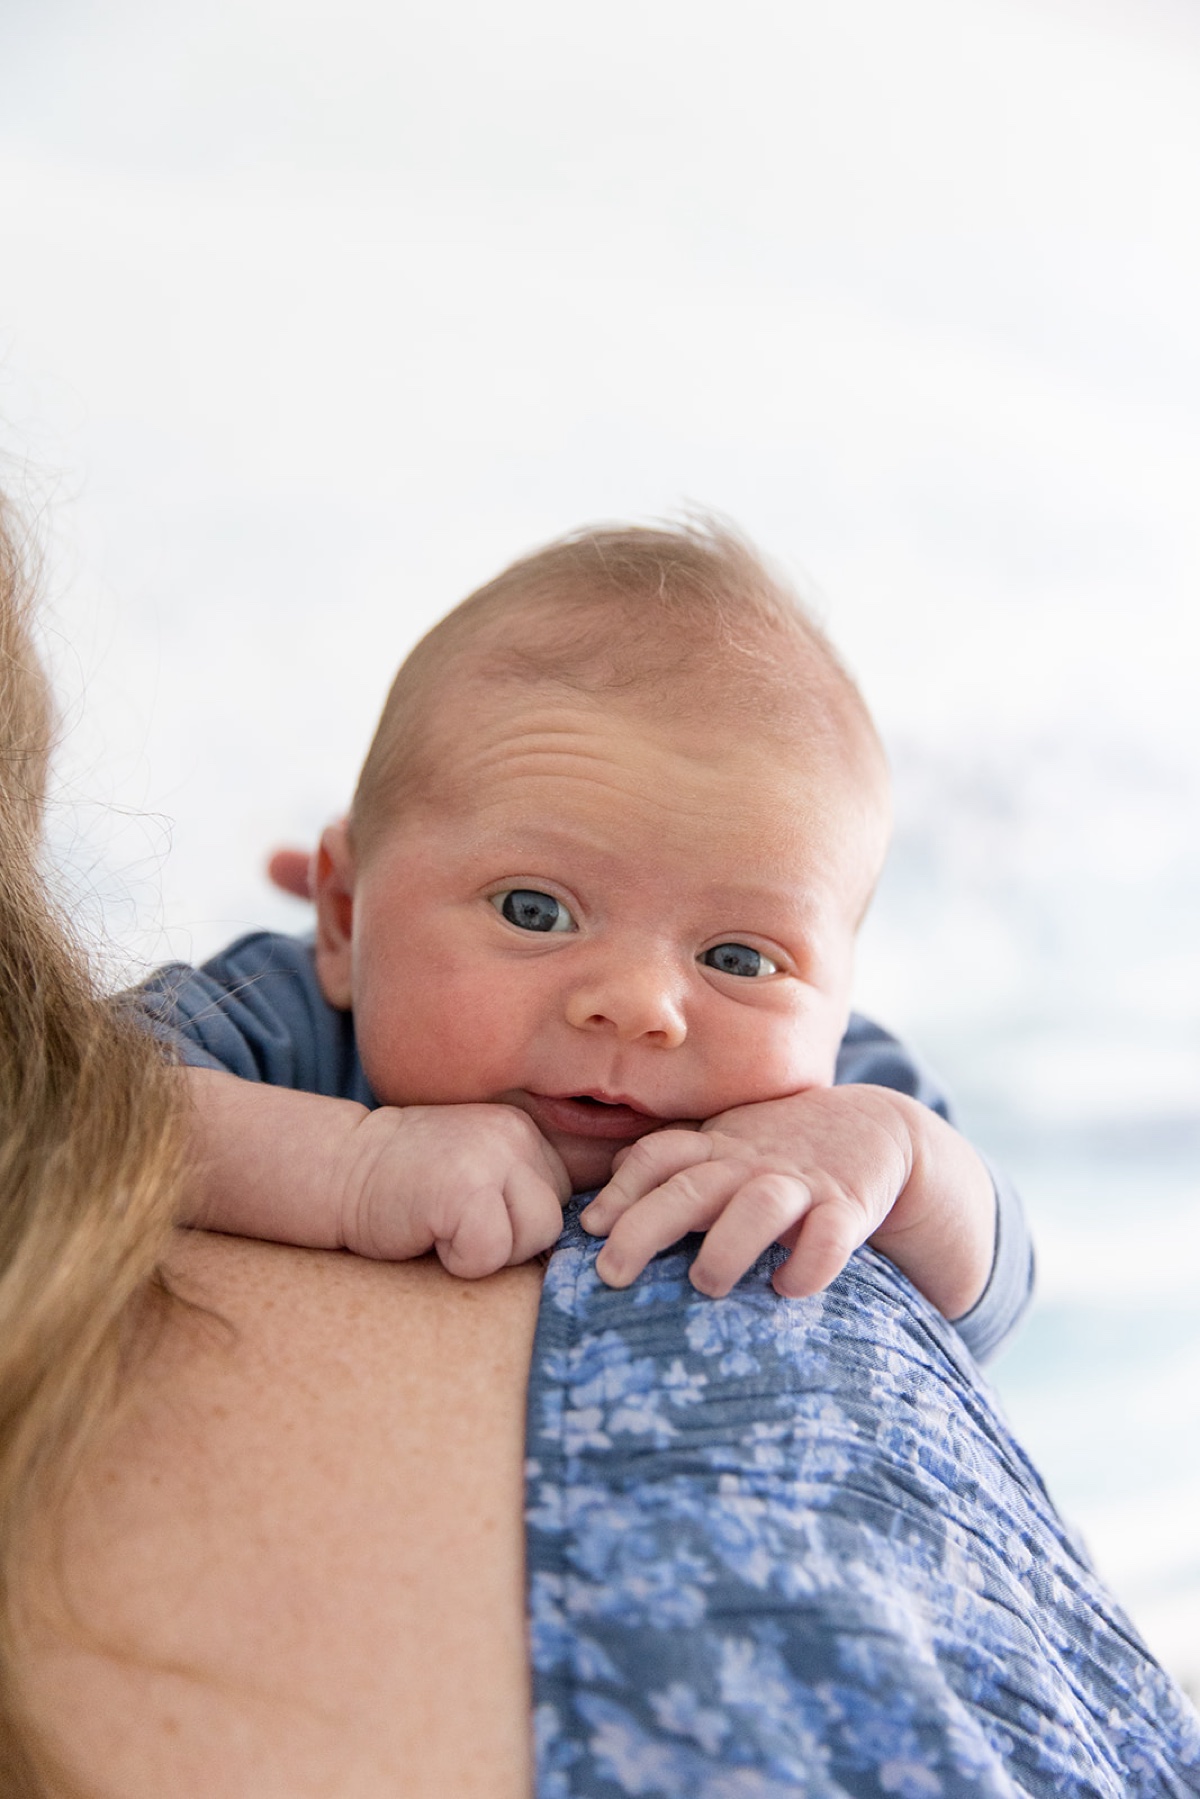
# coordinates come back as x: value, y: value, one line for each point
x: 535, y: 1213
x: 477, y: 1238
x: 759, y: 1214
x: 833, y: 1228
x: 689, y: 1201
x: 645, y: 1165
x: 498, y: 1226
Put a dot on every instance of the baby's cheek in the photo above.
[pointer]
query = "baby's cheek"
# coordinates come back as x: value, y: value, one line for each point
x: 432, y: 1058
x: 385, y: 1044
x: 786, y: 1055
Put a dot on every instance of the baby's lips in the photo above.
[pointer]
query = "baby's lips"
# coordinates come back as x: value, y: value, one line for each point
x: 587, y: 1116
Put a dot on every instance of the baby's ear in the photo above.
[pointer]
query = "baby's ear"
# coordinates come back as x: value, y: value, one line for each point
x: 333, y: 884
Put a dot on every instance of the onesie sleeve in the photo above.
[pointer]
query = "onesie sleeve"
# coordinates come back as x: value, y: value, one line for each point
x: 256, y: 1010
x: 872, y: 1055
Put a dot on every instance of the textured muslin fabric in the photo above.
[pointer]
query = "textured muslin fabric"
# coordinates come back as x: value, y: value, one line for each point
x: 791, y: 1547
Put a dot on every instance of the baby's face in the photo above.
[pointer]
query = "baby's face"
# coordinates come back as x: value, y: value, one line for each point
x: 609, y: 925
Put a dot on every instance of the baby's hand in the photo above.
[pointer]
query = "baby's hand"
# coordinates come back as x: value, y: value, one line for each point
x: 821, y: 1172
x: 478, y: 1183
x: 817, y: 1172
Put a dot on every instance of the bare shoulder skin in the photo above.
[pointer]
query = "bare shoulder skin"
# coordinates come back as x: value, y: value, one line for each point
x: 296, y: 1565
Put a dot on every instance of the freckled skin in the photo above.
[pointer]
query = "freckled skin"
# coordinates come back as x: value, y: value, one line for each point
x: 661, y: 842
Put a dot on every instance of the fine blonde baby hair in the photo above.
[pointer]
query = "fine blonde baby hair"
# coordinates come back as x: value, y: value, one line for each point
x: 682, y: 623
x: 90, y: 1169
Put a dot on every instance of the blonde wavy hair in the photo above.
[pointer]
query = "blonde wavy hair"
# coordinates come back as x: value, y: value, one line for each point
x: 90, y: 1165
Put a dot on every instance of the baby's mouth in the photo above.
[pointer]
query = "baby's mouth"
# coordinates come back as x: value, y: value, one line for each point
x: 588, y: 1115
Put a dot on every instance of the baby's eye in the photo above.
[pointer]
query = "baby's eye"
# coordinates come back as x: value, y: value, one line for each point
x: 739, y: 958
x: 531, y: 911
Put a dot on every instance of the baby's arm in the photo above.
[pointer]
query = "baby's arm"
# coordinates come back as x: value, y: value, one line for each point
x: 477, y: 1183
x: 287, y: 1142
x: 821, y: 1172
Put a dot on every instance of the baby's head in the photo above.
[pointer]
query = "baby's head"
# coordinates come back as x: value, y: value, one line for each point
x: 610, y: 847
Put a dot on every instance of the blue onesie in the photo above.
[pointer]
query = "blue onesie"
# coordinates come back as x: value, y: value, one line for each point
x: 256, y: 1010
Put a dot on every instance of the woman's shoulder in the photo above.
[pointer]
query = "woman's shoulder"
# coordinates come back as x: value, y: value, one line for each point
x: 307, y: 1512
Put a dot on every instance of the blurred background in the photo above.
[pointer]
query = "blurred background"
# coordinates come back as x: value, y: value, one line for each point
x: 312, y: 317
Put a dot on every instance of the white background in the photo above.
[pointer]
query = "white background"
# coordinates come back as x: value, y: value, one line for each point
x: 312, y: 317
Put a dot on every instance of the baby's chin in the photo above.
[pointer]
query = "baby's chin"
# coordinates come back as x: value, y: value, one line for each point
x: 590, y: 1164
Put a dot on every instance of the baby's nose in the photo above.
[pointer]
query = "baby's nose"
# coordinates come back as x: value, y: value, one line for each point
x: 639, y: 1002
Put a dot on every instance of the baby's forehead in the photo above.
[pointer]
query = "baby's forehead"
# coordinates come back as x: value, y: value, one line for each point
x: 482, y: 718
x: 544, y: 751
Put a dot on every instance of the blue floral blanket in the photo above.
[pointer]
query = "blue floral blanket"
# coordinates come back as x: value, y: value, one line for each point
x: 791, y: 1547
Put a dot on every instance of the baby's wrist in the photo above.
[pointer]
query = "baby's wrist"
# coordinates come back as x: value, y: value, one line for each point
x: 375, y: 1182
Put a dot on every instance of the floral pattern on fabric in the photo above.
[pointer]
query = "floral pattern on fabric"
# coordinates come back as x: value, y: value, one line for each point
x: 790, y: 1547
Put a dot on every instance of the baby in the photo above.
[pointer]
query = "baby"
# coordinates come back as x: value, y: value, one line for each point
x: 590, y: 924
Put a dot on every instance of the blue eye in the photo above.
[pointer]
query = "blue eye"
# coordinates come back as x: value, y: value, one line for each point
x: 531, y: 911
x: 739, y: 959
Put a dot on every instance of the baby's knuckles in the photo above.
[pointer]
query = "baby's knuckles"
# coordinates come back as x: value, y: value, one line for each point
x: 640, y: 1168
x: 476, y: 1239
x: 436, y: 1177
x: 859, y: 1136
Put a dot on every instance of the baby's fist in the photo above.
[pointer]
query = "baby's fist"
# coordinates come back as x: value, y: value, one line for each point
x: 477, y: 1183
